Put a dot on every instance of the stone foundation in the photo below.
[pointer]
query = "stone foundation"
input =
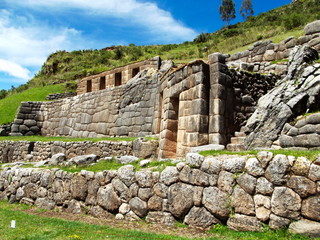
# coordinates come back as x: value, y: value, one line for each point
x: 244, y: 193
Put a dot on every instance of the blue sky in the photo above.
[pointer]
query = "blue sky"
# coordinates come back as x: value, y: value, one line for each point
x: 32, y: 29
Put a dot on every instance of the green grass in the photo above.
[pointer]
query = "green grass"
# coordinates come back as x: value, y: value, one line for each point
x: 10, y: 104
x: 33, y: 227
x: 309, y: 154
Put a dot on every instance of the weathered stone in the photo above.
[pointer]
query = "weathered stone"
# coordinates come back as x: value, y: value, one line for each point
x: 120, y: 188
x: 264, y: 186
x: 216, y: 201
x: 84, y: 159
x: 302, y: 185
x: 311, y: 208
x: 144, y: 149
x: 108, y: 199
x: 254, y: 167
x: 305, y: 227
x: 76, y: 207
x: 57, y: 159
x: 277, y: 222
x: 45, y: 203
x: 226, y: 182
x: 119, y: 216
x: 144, y: 179
x: 314, y: 172
x: 194, y: 159
x: 27, y: 201
x: 79, y: 188
x: 247, y: 183
x: 262, y: 207
x: 313, y: 27
x: 234, y: 164
x: 126, y: 174
x: 160, y: 217
x: 155, y: 203
x: 99, y: 212
x: 242, y: 202
x: 30, y: 123
x: 127, y: 159
x: 124, y: 208
x: 169, y: 175
x: 211, y: 165
x: 285, y: 203
x: 301, y: 166
x: 244, y: 223
x: 161, y: 190
x: 180, y: 199
x: 277, y: 169
x: 145, y: 193
x: 200, y: 217
x: 131, y: 216
x: 138, y: 206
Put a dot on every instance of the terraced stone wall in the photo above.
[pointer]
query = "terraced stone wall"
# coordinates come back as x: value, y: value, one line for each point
x: 244, y: 193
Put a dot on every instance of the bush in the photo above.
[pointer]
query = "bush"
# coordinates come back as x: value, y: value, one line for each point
x: 203, y: 37
x: 293, y: 21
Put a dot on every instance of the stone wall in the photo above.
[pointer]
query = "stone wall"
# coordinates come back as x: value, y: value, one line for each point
x: 115, y: 77
x: 303, y: 134
x: 11, y: 151
x: 260, y: 56
x: 245, y: 193
x: 127, y: 110
x: 56, y: 96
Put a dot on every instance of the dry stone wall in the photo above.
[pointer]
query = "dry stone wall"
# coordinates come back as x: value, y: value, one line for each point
x: 243, y: 192
x: 11, y: 151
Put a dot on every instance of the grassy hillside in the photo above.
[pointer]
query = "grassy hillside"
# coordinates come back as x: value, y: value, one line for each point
x: 10, y: 104
x: 63, y: 66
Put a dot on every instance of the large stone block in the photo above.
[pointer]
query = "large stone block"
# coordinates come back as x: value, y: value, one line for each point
x: 313, y: 27
x: 217, y: 124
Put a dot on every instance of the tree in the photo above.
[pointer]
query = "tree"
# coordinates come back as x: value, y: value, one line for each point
x: 246, y: 9
x: 227, y: 10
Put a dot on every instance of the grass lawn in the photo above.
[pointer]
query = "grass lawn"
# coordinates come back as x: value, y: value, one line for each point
x: 34, y: 224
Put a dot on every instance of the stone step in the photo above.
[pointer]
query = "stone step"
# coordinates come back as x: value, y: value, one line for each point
x: 238, y: 140
x: 240, y: 134
x: 236, y: 147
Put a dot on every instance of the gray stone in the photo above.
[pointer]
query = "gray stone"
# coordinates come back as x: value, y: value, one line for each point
x: 264, y: 158
x: 144, y: 179
x: 138, y: 206
x: 169, y: 175
x: 200, y: 217
x: 155, y: 203
x: 124, y: 208
x: 84, y: 159
x: 99, y: 212
x: 144, y: 149
x: 127, y: 174
x: 305, y: 227
x: 226, y: 181
x: 131, y: 216
x: 247, y: 183
x: 311, y: 208
x: 313, y: 27
x: 234, y: 164
x: 145, y: 193
x: 79, y: 188
x: 144, y: 163
x: 254, y: 167
x: 302, y: 185
x: 126, y: 159
x: 211, y: 165
x: 180, y: 199
x: 277, y: 169
x: 107, y: 198
x: 314, y: 172
x: 119, y: 216
x: 121, y: 189
x: 242, y: 202
x: 30, y: 123
x: 57, y: 159
x: 244, y: 223
x: 45, y: 203
x: 285, y: 203
x: 262, y: 207
x: 216, y: 201
x: 301, y: 166
x: 161, y: 218
x: 277, y: 222
x: 194, y: 159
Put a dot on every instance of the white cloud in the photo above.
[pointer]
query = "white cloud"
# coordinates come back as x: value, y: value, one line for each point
x: 145, y: 14
x: 14, y: 70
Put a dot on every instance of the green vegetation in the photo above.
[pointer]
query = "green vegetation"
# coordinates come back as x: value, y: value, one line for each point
x: 10, y: 104
x: 309, y: 154
x: 45, y: 228
x: 227, y: 11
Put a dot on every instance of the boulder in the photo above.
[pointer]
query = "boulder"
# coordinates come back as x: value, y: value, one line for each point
x: 285, y: 203
x: 194, y: 159
x: 305, y: 227
x: 254, y: 167
x: 160, y: 217
x: 180, y: 199
x: 216, y: 201
x: 264, y: 186
x: 57, y: 159
x: 313, y: 27
x: 242, y: 202
x: 108, y: 199
x: 302, y: 185
x: 127, y: 174
x: 138, y: 206
x: 277, y: 222
x: 126, y: 159
x: 234, y: 164
x: 83, y: 159
x: 311, y: 208
x: 226, y: 181
x: 169, y: 175
x: 244, y: 223
x: 247, y: 183
x: 211, y: 165
x: 277, y: 170
x: 200, y: 217
x: 144, y: 149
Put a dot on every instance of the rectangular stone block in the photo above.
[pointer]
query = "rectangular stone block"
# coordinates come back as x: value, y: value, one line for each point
x: 218, y: 67
x: 216, y: 57
x: 217, y: 78
x: 217, y: 107
x: 216, y: 124
x: 218, y: 91
x: 200, y: 106
x: 217, y: 138
x: 197, y: 123
x: 199, y: 92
